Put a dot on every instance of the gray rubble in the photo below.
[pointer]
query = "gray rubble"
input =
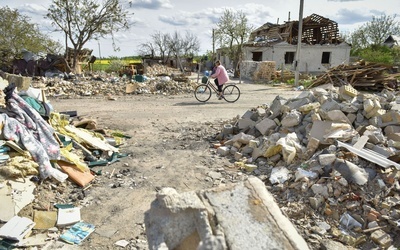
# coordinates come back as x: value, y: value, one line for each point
x: 329, y: 156
x: 158, y: 80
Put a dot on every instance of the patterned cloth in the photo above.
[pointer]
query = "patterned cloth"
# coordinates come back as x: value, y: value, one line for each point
x: 28, y: 116
x: 13, y: 130
x: 25, y: 126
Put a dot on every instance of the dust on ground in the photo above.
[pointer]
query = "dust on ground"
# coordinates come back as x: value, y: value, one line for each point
x: 170, y: 146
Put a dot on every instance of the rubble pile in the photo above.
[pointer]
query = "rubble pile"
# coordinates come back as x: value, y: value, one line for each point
x: 362, y: 76
x: 330, y: 157
x: 159, y: 80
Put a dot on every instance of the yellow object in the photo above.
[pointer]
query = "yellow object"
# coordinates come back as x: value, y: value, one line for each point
x: 20, y: 166
x: 273, y: 150
x: 73, y: 158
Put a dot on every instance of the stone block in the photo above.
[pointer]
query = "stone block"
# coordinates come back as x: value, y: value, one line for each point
x: 276, y: 107
x: 381, y: 238
x: 348, y: 90
x: 351, y: 118
x: 238, y: 156
x: 308, y: 107
x: 291, y: 119
x: 337, y: 116
x: 265, y: 126
x: 21, y: 82
x: 391, y: 130
x: 329, y: 105
x: 242, y: 216
x: 249, y: 114
x: 320, y: 189
x: 245, y: 123
x: 316, y: 202
x: 326, y: 159
x: 224, y: 151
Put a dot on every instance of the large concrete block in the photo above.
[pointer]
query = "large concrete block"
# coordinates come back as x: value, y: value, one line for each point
x: 21, y: 82
x: 236, y: 217
x: 265, y: 125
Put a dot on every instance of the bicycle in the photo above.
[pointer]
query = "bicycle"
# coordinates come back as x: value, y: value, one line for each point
x: 203, y: 92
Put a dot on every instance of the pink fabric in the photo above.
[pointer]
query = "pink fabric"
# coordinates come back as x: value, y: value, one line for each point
x: 221, y: 75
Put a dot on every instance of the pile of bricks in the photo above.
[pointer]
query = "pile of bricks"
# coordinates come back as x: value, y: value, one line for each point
x: 330, y: 157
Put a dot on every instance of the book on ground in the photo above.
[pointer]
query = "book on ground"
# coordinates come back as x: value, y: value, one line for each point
x: 16, y: 228
x: 68, y: 216
x: 77, y: 233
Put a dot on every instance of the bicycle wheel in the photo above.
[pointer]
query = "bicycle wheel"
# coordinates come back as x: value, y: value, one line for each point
x: 231, y: 93
x: 202, y: 93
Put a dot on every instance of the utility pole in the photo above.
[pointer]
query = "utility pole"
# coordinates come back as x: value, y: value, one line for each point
x: 299, y: 36
x: 99, y: 49
x: 213, y: 44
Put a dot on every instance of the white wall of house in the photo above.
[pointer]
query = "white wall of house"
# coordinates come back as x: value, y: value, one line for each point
x: 310, y: 55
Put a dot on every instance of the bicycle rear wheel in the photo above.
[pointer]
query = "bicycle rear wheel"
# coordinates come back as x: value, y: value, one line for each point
x: 202, y: 93
x: 231, y: 93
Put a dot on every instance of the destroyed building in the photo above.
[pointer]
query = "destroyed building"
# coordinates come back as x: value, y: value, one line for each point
x: 322, y: 47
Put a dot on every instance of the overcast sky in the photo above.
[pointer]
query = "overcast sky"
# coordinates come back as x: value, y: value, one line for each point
x: 200, y: 17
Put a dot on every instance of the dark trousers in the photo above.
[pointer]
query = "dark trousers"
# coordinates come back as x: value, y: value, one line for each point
x: 218, y: 86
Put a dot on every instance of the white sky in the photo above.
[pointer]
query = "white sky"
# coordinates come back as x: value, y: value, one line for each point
x: 200, y: 17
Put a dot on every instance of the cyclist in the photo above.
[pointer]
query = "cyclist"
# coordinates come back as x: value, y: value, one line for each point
x: 221, y: 76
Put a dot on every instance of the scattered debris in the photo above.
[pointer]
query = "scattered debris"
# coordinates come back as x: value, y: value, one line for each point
x: 361, y: 76
x: 329, y: 156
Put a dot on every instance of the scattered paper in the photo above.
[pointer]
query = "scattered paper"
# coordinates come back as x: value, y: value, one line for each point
x: 68, y: 216
x: 77, y: 233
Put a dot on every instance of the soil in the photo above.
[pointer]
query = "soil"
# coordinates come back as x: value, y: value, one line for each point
x: 170, y: 146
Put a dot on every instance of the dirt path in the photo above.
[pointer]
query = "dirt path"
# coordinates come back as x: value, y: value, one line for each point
x: 170, y: 146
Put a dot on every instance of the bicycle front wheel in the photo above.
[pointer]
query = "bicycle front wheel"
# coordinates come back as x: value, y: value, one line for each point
x: 202, y: 93
x: 231, y: 93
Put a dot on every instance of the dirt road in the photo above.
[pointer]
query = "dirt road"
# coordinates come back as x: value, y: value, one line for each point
x: 170, y: 146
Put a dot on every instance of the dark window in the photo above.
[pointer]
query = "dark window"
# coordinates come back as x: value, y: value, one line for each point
x: 257, y: 56
x: 289, y: 57
x: 326, y: 57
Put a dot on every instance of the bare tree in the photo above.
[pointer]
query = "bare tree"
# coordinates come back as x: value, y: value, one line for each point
x: 82, y: 21
x: 232, y: 31
x: 147, y: 49
x: 167, y: 45
x: 161, y: 43
x: 183, y: 46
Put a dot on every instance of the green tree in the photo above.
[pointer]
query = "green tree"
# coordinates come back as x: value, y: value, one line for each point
x: 232, y: 31
x: 373, y: 33
x: 18, y: 33
x: 81, y: 21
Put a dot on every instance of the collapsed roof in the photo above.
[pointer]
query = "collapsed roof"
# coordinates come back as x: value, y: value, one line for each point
x: 316, y: 30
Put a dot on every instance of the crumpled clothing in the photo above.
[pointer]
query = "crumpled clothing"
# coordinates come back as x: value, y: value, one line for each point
x: 13, y: 130
x: 20, y: 110
x: 19, y: 166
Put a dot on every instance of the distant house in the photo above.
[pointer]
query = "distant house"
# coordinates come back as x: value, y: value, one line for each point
x: 392, y: 41
x: 321, y: 47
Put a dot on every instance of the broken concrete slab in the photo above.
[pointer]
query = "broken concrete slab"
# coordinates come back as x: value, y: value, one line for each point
x: 240, y: 216
x: 7, y: 204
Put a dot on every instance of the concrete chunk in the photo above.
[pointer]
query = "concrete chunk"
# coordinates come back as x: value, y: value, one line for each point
x: 21, y: 82
x: 381, y: 238
x: 236, y: 217
x: 265, y: 125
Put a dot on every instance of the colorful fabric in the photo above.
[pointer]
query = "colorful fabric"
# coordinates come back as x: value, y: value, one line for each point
x: 13, y: 130
x: 20, y: 110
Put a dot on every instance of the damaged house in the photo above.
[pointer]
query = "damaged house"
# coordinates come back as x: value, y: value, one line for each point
x: 321, y: 47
